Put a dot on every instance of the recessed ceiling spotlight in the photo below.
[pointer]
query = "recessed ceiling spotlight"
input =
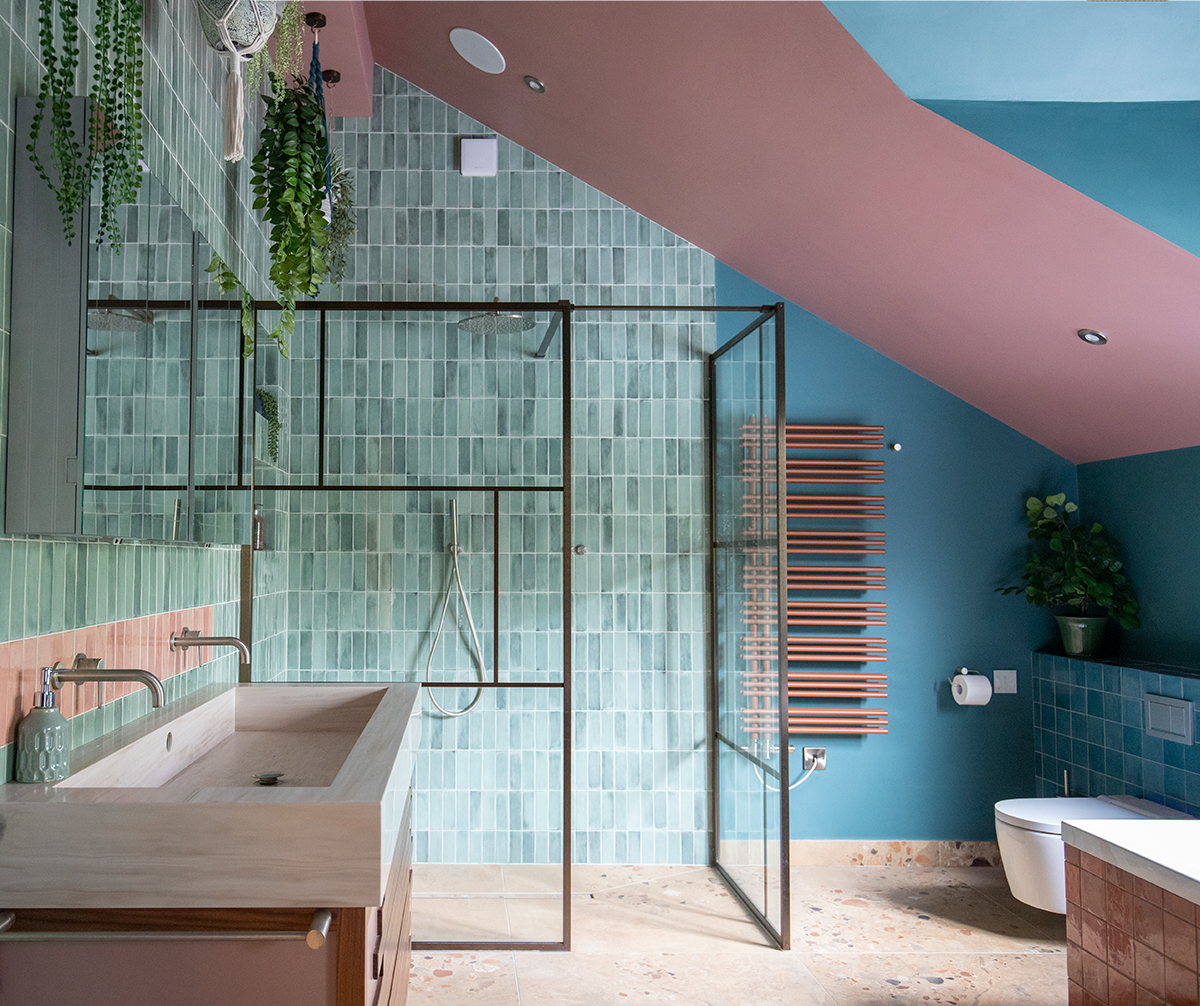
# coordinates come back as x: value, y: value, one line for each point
x: 1092, y: 337
x: 477, y: 50
x: 535, y: 85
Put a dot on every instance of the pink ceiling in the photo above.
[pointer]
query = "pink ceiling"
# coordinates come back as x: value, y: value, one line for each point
x: 764, y: 134
x: 345, y: 47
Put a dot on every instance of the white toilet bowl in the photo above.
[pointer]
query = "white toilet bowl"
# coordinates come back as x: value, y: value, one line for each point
x: 1031, y: 845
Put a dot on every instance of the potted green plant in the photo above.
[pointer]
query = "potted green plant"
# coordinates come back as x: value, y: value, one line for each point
x: 1078, y: 571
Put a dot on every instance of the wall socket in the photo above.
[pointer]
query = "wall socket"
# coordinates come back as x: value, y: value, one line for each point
x: 1004, y: 682
x: 814, y: 758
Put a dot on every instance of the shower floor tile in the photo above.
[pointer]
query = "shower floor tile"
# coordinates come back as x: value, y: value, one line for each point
x: 453, y: 878
x: 583, y: 979
x: 486, y: 979
x: 664, y: 934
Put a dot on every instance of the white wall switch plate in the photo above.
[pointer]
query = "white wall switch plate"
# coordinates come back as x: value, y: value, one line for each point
x: 1004, y: 682
x: 479, y: 157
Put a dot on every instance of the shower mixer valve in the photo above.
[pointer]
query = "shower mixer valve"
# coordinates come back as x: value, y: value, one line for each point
x: 814, y: 759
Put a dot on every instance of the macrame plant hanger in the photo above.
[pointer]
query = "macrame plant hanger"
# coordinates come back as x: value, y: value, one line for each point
x: 316, y: 21
x: 236, y: 53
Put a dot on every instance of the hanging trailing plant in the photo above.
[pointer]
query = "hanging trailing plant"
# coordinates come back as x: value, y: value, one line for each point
x: 113, y: 150
x: 341, y: 218
x: 227, y: 282
x: 289, y: 42
x: 288, y: 183
x: 288, y: 37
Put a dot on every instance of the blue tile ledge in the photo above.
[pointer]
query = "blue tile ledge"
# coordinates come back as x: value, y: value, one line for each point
x: 1160, y: 852
x: 1115, y: 660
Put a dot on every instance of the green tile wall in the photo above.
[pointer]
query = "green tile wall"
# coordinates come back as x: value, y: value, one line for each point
x: 416, y: 400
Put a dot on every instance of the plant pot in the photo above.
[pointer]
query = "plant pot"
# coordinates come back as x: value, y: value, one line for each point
x: 1081, y: 636
x: 240, y: 26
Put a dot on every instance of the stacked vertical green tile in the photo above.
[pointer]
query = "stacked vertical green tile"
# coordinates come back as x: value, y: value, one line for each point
x: 414, y: 400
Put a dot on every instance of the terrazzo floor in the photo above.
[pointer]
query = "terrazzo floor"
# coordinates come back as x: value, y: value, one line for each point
x: 657, y: 934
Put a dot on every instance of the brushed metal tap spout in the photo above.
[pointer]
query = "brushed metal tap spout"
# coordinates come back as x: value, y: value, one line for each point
x: 60, y: 676
x: 191, y: 637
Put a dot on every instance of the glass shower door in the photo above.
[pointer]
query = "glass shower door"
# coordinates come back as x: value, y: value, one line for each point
x: 748, y: 749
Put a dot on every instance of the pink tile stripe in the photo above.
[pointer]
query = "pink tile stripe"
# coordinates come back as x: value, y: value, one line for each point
x: 135, y: 642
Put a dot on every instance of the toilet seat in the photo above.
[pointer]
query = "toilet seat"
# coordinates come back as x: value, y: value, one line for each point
x: 1047, y: 815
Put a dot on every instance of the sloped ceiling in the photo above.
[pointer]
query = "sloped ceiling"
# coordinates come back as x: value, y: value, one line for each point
x: 764, y: 133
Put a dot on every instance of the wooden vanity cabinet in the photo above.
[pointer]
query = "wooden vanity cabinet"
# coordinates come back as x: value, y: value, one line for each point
x: 375, y: 944
x: 365, y: 961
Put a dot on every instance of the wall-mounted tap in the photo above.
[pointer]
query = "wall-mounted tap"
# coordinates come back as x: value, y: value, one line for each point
x: 187, y: 638
x: 92, y: 670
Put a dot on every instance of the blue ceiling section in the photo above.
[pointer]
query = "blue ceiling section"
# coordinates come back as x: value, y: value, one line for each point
x: 1140, y: 159
x: 1105, y: 97
x: 1034, y: 50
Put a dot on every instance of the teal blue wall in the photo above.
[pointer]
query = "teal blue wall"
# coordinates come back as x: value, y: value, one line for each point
x: 955, y: 528
x: 1141, y: 159
x: 1148, y: 502
x: 994, y: 50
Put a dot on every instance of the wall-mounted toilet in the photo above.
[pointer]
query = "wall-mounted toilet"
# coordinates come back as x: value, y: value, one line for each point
x: 1031, y: 845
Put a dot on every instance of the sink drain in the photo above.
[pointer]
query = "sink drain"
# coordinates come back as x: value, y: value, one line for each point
x: 267, y: 778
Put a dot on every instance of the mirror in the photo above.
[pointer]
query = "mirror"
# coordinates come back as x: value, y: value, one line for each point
x: 125, y: 374
x: 158, y: 462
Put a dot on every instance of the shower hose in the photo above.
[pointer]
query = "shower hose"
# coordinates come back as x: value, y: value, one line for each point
x: 775, y: 789
x: 455, y: 581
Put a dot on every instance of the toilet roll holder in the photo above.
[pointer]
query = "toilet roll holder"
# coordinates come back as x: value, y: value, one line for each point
x: 961, y: 687
x: 964, y: 670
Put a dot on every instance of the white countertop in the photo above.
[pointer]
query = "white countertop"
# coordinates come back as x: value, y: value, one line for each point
x: 1166, y: 853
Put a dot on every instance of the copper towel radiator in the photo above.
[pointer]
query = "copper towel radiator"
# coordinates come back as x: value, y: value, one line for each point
x: 814, y: 472
x: 761, y: 609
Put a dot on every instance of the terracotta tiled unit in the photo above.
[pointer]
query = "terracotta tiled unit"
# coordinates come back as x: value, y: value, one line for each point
x: 133, y: 642
x: 1129, y: 942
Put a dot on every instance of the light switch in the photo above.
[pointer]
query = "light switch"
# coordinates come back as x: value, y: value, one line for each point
x: 1004, y: 682
x: 479, y: 157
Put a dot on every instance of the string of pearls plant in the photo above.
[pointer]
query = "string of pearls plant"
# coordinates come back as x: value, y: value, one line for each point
x: 112, y: 148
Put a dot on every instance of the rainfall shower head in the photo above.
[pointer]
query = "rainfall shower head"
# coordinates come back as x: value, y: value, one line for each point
x: 125, y: 319
x: 497, y: 323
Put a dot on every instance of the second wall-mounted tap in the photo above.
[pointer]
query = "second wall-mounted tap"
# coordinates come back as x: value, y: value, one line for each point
x: 186, y: 638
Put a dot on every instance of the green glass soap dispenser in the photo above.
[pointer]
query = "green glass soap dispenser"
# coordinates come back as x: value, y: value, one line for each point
x: 43, y: 739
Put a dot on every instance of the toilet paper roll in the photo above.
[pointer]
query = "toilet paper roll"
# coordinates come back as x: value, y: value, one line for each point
x: 971, y: 689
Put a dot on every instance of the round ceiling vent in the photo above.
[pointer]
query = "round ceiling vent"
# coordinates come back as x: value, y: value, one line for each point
x: 477, y: 50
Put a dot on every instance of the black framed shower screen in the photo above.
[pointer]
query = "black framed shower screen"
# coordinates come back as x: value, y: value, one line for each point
x: 749, y: 814
x: 496, y: 493
x: 560, y: 327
